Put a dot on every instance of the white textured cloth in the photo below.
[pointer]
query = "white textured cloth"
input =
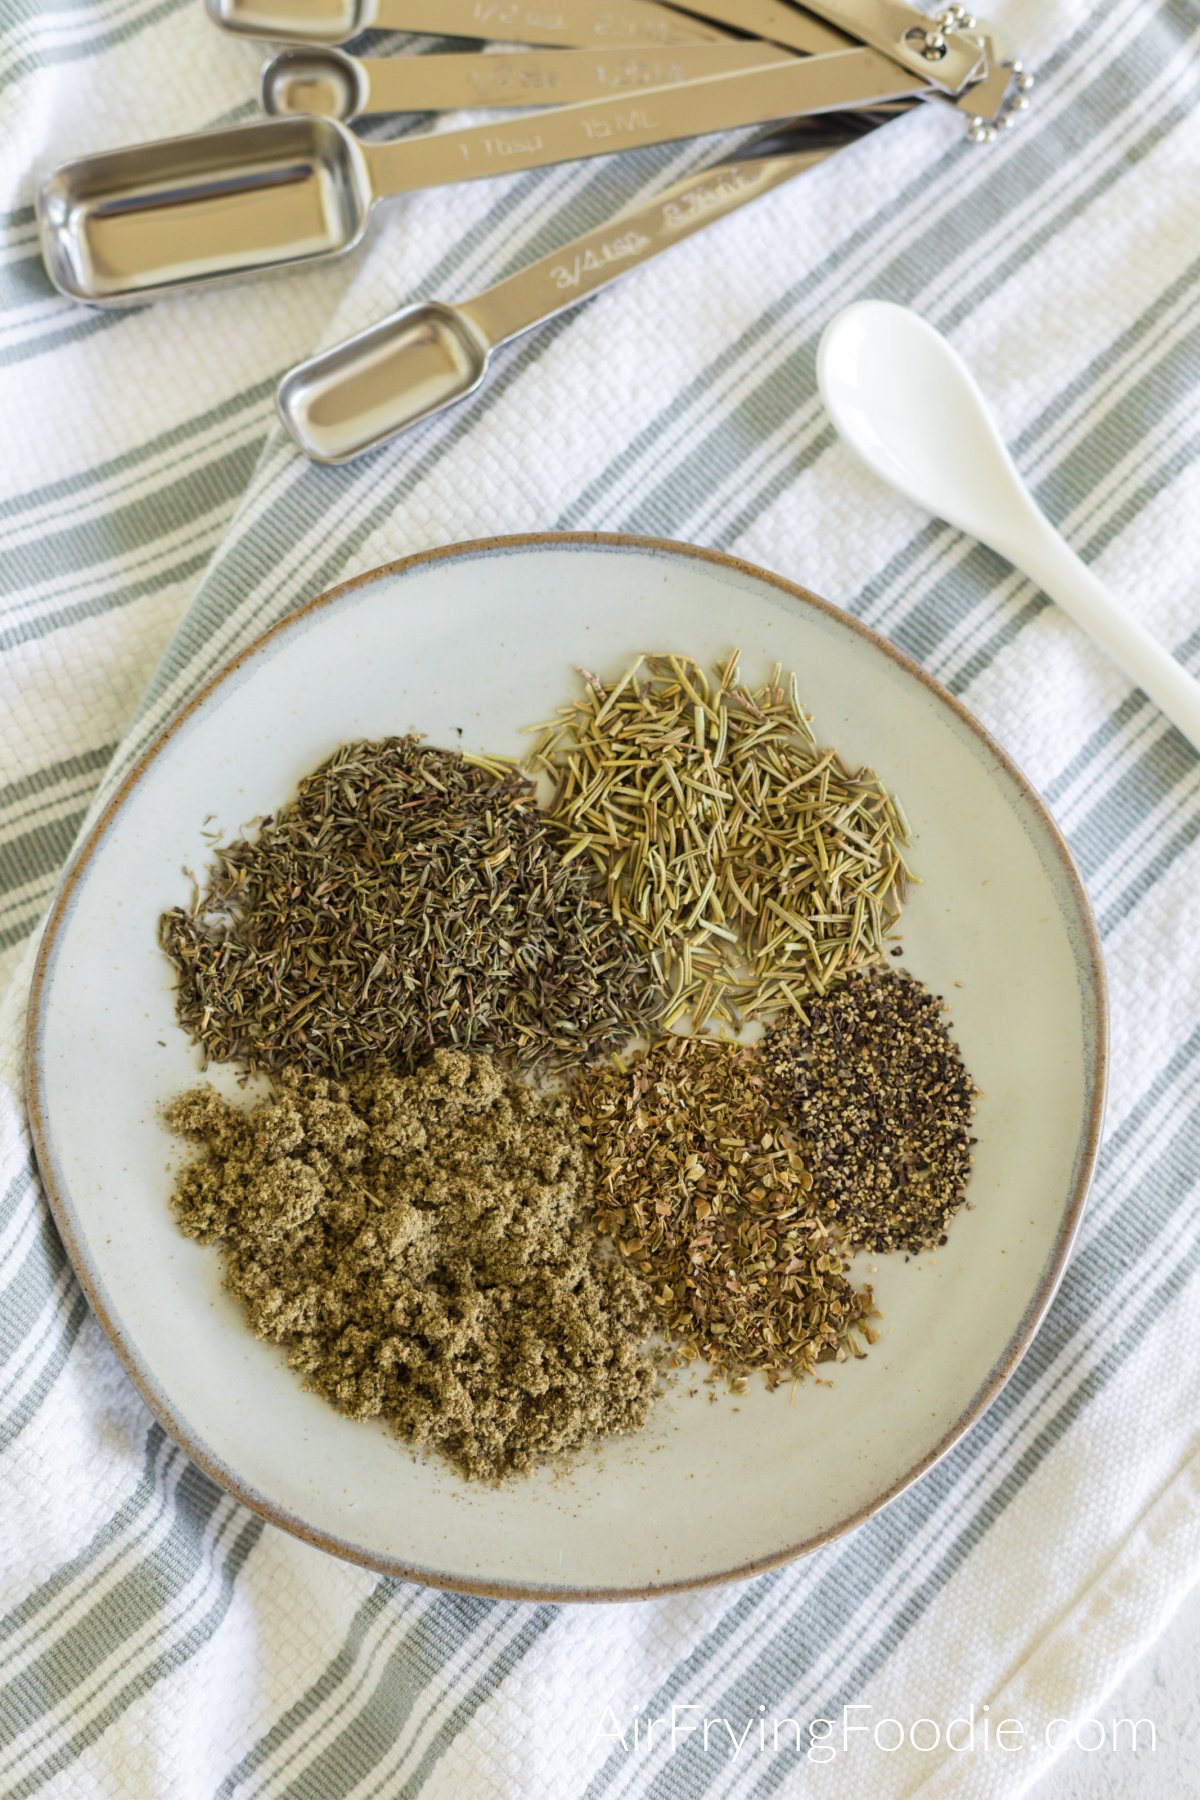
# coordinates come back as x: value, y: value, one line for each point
x: 155, y: 1637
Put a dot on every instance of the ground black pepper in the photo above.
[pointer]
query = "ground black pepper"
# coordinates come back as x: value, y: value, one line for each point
x: 875, y: 1087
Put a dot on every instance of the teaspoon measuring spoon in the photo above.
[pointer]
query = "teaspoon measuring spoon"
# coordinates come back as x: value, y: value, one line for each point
x: 910, y: 408
x: 328, y: 84
x: 431, y: 355
x: 566, y: 22
x: 131, y: 224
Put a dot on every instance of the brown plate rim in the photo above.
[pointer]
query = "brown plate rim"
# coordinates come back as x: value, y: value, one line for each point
x: 1090, y: 957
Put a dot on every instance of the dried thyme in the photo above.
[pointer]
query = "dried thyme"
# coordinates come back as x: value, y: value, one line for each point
x: 711, y: 1205
x: 406, y: 898
x: 421, y: 1248
x: 877, y: 1089
x: 753, y: 864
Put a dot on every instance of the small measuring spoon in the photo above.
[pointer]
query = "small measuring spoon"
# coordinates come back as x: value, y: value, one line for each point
x: 565, y: 23
x: 130, y: 224
x: 432, y: 355
x: 910, y: 408
x: 328, y: 84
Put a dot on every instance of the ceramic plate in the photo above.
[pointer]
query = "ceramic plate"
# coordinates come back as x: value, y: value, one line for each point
x: 466, y: 645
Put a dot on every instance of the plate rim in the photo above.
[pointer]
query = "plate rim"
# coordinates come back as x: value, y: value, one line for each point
x: 1090, y: 959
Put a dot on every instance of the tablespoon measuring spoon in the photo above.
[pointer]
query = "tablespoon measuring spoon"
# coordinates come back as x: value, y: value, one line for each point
x: 130, y: 224
x: 329, y: 84
x: 432, y: 355
x: 910, y: 408
x: 566, y: 22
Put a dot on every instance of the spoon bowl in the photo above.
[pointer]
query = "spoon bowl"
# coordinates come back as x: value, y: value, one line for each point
x: 907, y: 404
x: 131, y: 223
x: 292, y: 21
x: 363, y: 391
x: 317, y: 83
x: 913, y: 411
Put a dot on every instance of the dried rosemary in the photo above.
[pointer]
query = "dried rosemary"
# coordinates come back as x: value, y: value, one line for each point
x: 752, y: 864
x: 710, y: 1204
x: 421, y: 1248
x: 406, y: 898
x: 876, y: 1087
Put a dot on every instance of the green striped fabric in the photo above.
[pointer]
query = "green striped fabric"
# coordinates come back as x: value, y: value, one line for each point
x: 156, y: 1638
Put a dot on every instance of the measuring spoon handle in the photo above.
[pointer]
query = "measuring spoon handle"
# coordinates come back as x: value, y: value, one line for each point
x: 900, y: 31
x: 847, y: 79
x: 588, y: 263
x: 566, y: 23
x: 542, y: 77
x: 776, y: 22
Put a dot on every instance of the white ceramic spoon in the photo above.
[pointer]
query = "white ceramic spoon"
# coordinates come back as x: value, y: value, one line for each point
x: 908, y: 405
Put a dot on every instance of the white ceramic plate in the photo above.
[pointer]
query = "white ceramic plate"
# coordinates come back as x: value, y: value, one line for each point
x: 467, y: 645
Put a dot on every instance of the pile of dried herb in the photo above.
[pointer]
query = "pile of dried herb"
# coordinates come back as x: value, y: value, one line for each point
x: 406, y: 898
x: 421, y: 1248
x: 710, y: 1203
x: 751, y: 863
x: 876, y: 1088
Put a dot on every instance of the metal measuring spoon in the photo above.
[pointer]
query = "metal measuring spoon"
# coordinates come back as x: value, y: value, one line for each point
x: 429, y: 356
x: 329, y: 84
x: 908, y: 405
x: 131, y: 224
x: 567, y: 22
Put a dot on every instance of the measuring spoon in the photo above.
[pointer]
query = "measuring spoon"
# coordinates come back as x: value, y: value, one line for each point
x: 565, y: 23
x: 328, y: 84
x: 134, y: 223
x: 907, y: 404
x: 432, y: 355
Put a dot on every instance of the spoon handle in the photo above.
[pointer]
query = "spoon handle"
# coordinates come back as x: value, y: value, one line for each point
x: 800, y: 85
x: 1056, y: 569
x: 565, y: 24
x: 776, y: 22
x: 567, y: 276
x: 446, y: 82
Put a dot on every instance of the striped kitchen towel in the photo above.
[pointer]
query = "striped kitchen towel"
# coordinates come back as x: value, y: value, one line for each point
x: 155, y: 1637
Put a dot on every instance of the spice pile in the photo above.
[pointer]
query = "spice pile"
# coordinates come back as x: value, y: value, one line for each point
x: 878, y: 1088
x: 405, y: 899
x: 421, y: 1247
x: 752, y: 864
x: 711, y: 1204
x: 432, y: 1235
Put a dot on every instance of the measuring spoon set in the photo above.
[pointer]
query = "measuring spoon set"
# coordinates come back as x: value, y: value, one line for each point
x: 597, y: 77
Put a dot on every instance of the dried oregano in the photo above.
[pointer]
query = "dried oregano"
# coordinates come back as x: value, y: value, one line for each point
x: 709, y: 1201
x: 405, y: 899
x: 751, y: 863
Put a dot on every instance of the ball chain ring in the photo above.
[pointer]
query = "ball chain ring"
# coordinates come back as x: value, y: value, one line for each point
x: 983, y: 131
x: 980, y: 130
